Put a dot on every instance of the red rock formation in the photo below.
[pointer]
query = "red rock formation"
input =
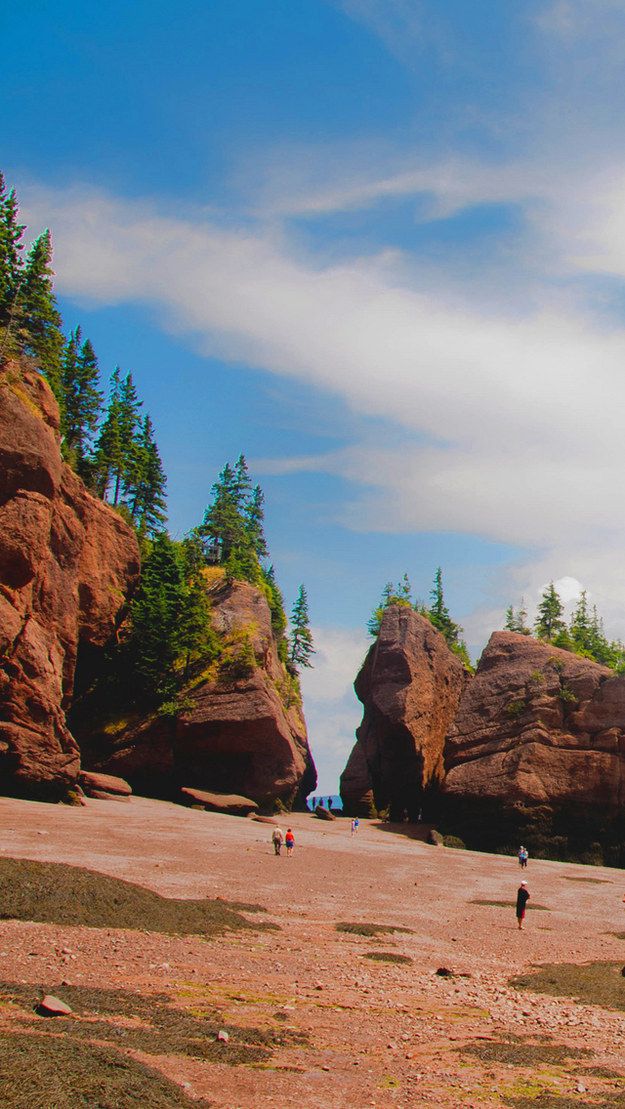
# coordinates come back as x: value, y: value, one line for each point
x: 238, y: 733
x: 66, y: 564
x: 538, y: 727
x: 355, y: 784
x: 410, y: 684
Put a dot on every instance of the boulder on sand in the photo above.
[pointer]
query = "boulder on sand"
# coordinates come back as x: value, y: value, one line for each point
x: 94, y: 785
x: 324, y: 814
x: 229, y: 803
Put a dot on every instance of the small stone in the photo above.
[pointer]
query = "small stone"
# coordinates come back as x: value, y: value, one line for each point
x: 580, y: 1088
x: 51, y: 1006
x: 222, y: 1036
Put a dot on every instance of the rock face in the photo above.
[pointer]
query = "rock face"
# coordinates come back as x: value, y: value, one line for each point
x: 538, y: 743
x: 67, y: 562
x: 410, y: 685
x: 238, y: 732
x: 355, y: 784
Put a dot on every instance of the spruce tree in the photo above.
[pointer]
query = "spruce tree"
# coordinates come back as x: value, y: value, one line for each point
x: 232, y: 528
x: 300, y: 638
x: 144, y: 487
x: 154, y: 644
x: 115, y: 459
x: 516, y: 621
x: 11, y: 267
x: 254, y: 519
x: 82, y: 400
x: 439, y: 613
x: 549, y: 620
x: 39, y: 319
x: 108, y: 452
x: 581, y: 627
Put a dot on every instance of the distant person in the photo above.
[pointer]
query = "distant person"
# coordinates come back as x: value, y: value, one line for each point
x: 523, y: 857
x: 355, y: 825
x: 329, y: 803
x: 522, y: 898
x: 289, y: 840
x: 277, y: 838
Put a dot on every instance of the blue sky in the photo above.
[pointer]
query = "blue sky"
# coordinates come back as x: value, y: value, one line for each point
x: 376, y: 245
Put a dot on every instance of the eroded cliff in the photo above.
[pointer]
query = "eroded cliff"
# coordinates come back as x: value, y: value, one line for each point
x: 410, y: 685
x: 67, y: 563
x: 240, y: 727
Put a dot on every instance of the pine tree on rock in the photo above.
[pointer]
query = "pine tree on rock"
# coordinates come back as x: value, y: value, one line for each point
x: 115, y: 459
x: 516, y: 621
x: 82, y: 400
x: 549, y: 620
x: 11, y: 267
x: 300, y: 638
x: 39, y: 318
x: 232, y: 528
x: 144, y: 488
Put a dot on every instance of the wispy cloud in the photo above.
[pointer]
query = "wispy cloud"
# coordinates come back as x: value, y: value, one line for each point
x: 399, y: 24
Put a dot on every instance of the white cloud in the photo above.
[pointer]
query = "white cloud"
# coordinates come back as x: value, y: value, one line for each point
x: 507, y: 425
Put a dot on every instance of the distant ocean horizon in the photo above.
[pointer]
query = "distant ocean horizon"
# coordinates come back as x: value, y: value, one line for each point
x: 322, y: 799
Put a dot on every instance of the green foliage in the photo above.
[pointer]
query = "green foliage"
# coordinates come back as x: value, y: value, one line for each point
x: 11, y: 271
x: 237, y: 659
x: 516, y: 621
x: 169, y: 623
x: 232, y: 528
x: 124, y: 465
x: 515, y: 708
x: 549, y: 619
x: 300, y: 638
x: 81, y: 399
x: 437, y: 613
x: 399, y: 594
x: 583, y: 636
x: 39, y: 318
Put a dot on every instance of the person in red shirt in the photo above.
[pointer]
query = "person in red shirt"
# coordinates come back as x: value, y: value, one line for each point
x: 289, y: 839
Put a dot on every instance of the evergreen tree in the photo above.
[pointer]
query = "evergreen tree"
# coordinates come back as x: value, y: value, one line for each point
x: 11, y: 269
x: 549, y: 620
x: 232, y: 528
x: 144, y: 486
x: 39, y: 319
x: 254, y: 519
x: 516, y: 621
x: 391, y: 595
x: 82, y: 400
x: 108, y: 452
x: 115, y: 459
x: 154, y: 643
x: 300, y: 638
x: 581, y: 628
x: 439, y: 613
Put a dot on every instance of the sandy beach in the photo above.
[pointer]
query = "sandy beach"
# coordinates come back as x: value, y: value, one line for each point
x: 373, y: 1033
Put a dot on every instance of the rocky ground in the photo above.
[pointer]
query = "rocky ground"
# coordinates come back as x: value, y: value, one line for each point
x: 357, y: 1032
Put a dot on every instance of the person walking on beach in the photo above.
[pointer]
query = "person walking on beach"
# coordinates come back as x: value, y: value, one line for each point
x: 289, y: 840
x: 523, y: 857
x: 277, y: 838
x: 355, y: 825
x: 522, y: 898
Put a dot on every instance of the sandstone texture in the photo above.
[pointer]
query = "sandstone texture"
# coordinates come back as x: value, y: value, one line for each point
x: 410, y: 685
x: 355, y: 784
x: 538, y: 730
x: 230, y: 803
x: 240, y: 731
x: 67, y: 563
